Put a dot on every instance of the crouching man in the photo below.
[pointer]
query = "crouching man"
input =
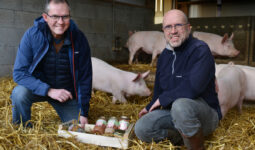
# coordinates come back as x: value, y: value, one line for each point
x: 184, y: 107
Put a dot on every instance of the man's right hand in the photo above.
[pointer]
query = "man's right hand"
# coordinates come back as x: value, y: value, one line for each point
x: 61, y: 95
x: 143, y: 112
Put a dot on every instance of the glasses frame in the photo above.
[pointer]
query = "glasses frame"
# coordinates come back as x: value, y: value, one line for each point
x: 177, y: 26
x: 56, y: 17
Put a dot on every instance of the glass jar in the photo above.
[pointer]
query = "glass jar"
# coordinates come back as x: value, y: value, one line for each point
x: 100, y: 125
x: 112, y: 125
x: 124, y: 123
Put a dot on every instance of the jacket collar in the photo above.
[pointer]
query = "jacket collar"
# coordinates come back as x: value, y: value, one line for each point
x: 184, y: 44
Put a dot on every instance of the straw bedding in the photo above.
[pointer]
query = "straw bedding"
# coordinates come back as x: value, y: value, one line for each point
x: 234, y: 132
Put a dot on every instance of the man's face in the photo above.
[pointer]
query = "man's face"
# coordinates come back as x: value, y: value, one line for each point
x: 176, y: 30
x: 58, y: 25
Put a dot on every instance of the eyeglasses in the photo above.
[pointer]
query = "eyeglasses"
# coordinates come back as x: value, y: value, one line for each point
x: 176, y: 26
x: 56, y: 17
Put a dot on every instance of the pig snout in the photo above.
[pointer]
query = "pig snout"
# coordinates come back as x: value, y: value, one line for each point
x: 146, y: 92
x: 234, y: 53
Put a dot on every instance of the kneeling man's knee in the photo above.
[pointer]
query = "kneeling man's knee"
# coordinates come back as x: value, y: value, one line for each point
x: 185, y: 117
x: 19, y: 93
x: 141, y: 130
x: 182, y: 108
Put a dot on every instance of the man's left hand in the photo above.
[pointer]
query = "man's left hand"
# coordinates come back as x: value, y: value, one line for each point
x: 155, y: 105
x: 83, y: 121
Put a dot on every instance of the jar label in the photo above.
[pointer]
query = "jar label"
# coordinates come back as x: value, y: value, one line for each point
x: 110, y: 123
x: 100, y: 122
x: 123, y: 125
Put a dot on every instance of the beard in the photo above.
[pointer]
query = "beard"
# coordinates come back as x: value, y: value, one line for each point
x: 179, y: 41
x: 176, y: 43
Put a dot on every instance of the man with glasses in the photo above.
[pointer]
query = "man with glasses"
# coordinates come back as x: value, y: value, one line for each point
x: 53, y: 64
x: 184, y: 107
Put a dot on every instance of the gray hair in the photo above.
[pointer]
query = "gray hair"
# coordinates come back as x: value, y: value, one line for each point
x: 46, y: 8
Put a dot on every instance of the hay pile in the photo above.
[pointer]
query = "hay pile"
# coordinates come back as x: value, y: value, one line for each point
x: 235, y: 131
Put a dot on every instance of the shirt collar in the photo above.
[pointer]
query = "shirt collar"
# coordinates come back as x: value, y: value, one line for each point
x: 168, y: 47
x: 67, y: 40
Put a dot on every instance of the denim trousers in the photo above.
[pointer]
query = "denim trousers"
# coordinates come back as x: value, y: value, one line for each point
x: 23, y: 98
x: 186, y: 116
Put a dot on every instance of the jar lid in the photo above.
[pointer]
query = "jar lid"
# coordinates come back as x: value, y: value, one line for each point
x: 124, y: 117
x: 113, y: 117
x: 102, y: 117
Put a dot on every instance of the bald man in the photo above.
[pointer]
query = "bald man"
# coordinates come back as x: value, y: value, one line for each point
x: 184, y: 107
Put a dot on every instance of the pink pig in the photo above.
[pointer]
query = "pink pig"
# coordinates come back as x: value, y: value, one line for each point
x: 250, y: 78
x: 151, y: 42
x: 118, y: 82
x: 219, y: 45
x: 231, y: 82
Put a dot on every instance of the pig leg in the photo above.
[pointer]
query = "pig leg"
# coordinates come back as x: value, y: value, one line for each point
x: 131, y: 56
x: 114, y: 99
x: 154, y: 56
x: 92, y: 91
x: 136, y: 56
x: 118, y: 95
x: 223, y: 110
x: 240, y: 104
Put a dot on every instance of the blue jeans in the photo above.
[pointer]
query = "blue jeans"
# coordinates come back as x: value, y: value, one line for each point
x: 186, y: 116
x: 22, y: 100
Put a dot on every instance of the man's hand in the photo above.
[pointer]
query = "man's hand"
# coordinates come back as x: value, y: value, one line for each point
x: 83, y: 121
x: 142, y: 112
x: 155, y: 105
x: 61, y: 95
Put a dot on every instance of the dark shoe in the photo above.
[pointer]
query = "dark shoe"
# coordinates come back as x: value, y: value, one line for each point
x: 175, y: 137
x: 195, y: 142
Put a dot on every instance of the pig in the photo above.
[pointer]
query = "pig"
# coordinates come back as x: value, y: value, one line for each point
x: 250, y: 78
x: 231, y: 82
x: 118, y: 82
x: 222, y: 46
x: 218, y: 68
x: 151, y: 42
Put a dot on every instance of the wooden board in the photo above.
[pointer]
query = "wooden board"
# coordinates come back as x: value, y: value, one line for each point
x: 117, y: 142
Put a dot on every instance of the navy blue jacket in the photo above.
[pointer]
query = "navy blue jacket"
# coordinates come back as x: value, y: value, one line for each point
x: 188, y: 71
x: 33, y: 47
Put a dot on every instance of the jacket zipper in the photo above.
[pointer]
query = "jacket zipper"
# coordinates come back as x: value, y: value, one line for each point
x: 75, y: 90
x: 173, y: 62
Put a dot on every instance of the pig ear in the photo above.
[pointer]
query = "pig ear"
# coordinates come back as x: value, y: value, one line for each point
x: 224, y: 38
x: 130, y: 33
x: 146, y: 74
x: 137, y: 77
x: 232, y: 36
